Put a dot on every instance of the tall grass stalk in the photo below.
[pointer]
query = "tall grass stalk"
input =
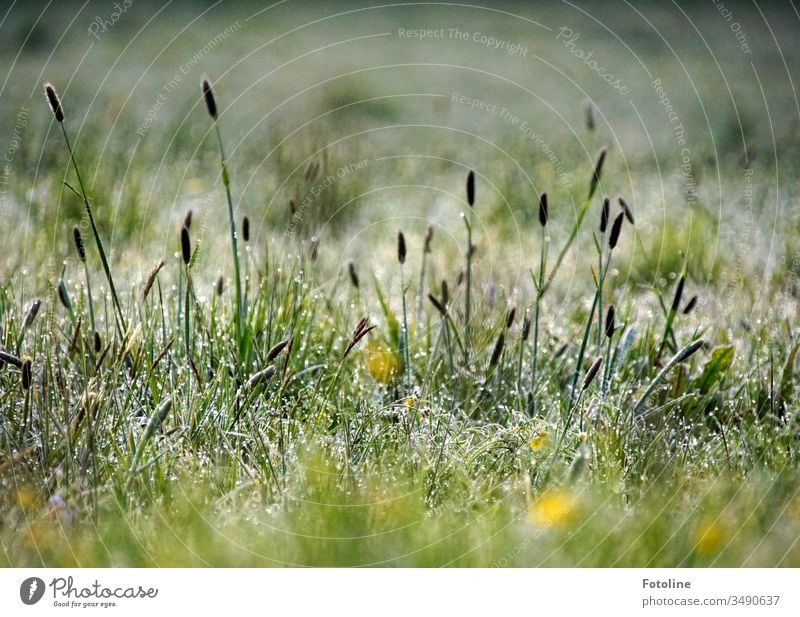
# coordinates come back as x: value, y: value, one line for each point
x: 241, y: 333
x: 470, y: 251
x: 55, y: 105
x: 595, y: 181
x: 544, y: 215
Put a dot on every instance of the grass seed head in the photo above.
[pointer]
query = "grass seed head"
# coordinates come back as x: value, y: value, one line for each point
x: 98, y: 342
x: 362, y: 329
x: 79, y: 245
x: 543, y: 212
x: 208, y: 95
x: 616, y: 228
x: 219, y: 286
x: 438, y: 305
x: 186, y: 246
x: 510, y: 317
x: 604, y: 213
x: 598, y: 172
x: 401, y: 247
x: 592, y: 372
x: 428, y: 239
x: 445, y: 293
x: 63, y: 295
x: 626, y: 209
x: 526, y: 328
x: 314, y: 253
x: 26, y: 373
x: 33, y: 311
x: 676, y: 299
x: 351, y: 269
x: 151, y: 279
x: 690, y: 305
x: 277, y: 349
x: 54, y: 102
x: 498, y: 349
x: 610, y: 321
x: 471, y: 188
x: 187, y: 221
x: 590, y: 124
x: 246, y: 228
x: 260, y: 377
x: 7, y: 358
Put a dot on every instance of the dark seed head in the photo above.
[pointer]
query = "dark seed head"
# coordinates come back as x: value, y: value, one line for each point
x: 543, y: 213
x: 471, y: 188
x: 98, y: 343
x: 428, y: 239
x: 278, y: 348
x: 187, y: 221
x: 592, y: 372
x: 186, y: 246
x: 79, y: 246
x: 246, y: 229
x: 498, y: 349
x: 590, y: 116
x: 626, y: 209
x: 604, y: 215
x: 676, y: 299
x: 526, y: 328
x: 598, y: 172
x: 610, y: 322
x: 26, y: 374
x: 689, y: 350
x: 616, y: 228
x: 314, y: 248
x: 510, y: 317
x: 401, y: 247
x: 220, y: 285
x: 32, y: 312
x: 460, y: 278
x: 54, y: 102
x: 63, y: 295
x: 438, y: 305
x: 690, y: 305
x: 208, y: 95
x: 445, y: 293
x: 351, y: 269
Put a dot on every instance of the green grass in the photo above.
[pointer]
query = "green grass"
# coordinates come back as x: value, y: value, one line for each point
x: 189, y: 438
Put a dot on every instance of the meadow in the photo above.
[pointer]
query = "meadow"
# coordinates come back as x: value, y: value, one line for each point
x: 416, y: 285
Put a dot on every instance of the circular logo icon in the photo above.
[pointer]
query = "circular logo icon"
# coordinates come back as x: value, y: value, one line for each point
x: 31, y: 590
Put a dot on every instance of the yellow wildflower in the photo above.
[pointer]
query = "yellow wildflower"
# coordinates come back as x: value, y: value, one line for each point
x: 384, y: 364
x: 553, y: 508
x: 538, y: 441
x: 708, y: 537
